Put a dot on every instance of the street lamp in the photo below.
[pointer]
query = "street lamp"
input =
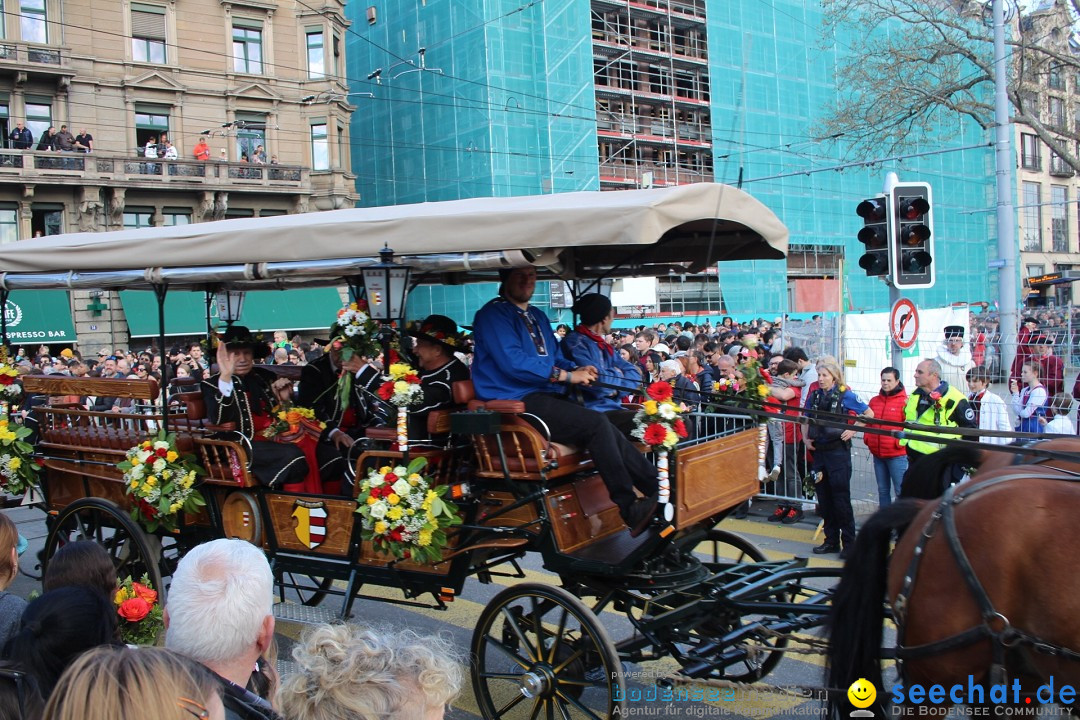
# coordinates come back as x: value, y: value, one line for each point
x: 229, y: 304
x: 386, y: 285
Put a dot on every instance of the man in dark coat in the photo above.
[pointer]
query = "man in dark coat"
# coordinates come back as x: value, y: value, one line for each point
x: 244, y: 395
x: 437, y: 339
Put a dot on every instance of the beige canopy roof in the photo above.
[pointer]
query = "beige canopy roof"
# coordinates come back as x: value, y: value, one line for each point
x: 582, y: 234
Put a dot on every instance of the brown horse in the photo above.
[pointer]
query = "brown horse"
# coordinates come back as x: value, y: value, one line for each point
x: 1013, y: 527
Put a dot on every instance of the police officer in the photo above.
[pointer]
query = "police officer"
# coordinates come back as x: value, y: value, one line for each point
x: 831, y: 447
x: 937, y: 404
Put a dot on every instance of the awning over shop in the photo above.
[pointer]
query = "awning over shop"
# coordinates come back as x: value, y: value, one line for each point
x: 39, y: 316
x: 264, y: 311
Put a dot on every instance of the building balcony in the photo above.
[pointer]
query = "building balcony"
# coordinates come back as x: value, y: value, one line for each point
x: 629, y: 175
x: 656, y: 132
x: 611, y: 45
x: 32, y: 59
x: 685, y: 11
x: 614, y: 91
x: 64, y: 168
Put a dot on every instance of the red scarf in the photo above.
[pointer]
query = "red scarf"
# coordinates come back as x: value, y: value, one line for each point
x: 601, y: 342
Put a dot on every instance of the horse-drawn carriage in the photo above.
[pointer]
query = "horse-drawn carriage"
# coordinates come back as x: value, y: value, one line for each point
x: 699, y: 595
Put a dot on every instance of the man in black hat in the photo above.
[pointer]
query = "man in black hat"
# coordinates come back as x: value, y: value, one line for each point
x: 1029, y: 330
x: 1051, y: 368
x: 437, y: 339
x: 586, y: 346
x: 244, y: 395
x: 516, y: 357
x: 954, y: 356
x: 345, y: 422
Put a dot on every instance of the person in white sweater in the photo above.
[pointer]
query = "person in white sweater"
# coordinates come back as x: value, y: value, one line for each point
x: 990, y: 410
x: 1057, y: 410
x: 954, y: 356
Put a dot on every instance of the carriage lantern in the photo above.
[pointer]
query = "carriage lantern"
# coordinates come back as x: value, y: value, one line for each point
x: 386, y: 284
x: 229, y: 304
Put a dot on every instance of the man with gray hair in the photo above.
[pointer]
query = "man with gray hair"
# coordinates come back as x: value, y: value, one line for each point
x: 219, y: 612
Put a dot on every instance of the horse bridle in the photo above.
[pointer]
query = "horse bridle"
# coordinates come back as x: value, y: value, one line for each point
x: 994, y: 626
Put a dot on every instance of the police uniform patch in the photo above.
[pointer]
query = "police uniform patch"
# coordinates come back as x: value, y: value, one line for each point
x: 969, y: 414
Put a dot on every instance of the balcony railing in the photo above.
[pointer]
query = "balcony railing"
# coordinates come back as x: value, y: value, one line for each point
x: 661, y: 175
x: 31, y: 57
x: 30, y: 166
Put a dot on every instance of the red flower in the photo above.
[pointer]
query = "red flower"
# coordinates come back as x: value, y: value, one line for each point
x: 133, y: 609
x: 40, y: 462
x: 660, y: 391
x: 680, y: 428
x: 386, y: 390
x: 144, y: 592
x: 395, y: 534
x: 390, y: 478
x: 394, y: 357
x: 149, y: 511
x: 161, y: 452
x: 6, y: 379
x: 337, y: 345
x: 412, y: 379
x: 655, y: 434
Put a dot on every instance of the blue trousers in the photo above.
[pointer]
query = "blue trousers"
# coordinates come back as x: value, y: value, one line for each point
x: 834, y: 494
x: 889, y: 473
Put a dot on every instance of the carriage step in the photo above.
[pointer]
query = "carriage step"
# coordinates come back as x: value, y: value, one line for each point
x: 304, y: 615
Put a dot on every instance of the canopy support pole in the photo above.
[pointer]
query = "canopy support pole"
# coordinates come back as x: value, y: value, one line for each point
x: 4, y: 292
x: 356, y: 287
x: 159, y: 292
x: 209, y: 322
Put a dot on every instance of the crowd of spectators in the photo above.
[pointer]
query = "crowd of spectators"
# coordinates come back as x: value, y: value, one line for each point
x: 61, y: 657
x: 22, y: 138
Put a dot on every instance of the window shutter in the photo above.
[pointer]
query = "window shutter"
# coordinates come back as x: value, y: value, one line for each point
x: 150, y: 25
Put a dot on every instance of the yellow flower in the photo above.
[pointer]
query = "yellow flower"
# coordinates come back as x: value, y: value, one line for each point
x: 763, y: 390
x: 371, y: 500
x: 650, y: 407
x: 401, y: 386
x: 175, y: 507
x: 410, y: 512
x: 394, y: 513
x: 151, y: 481
x: 424, y: 538
x: 122, y: 595
x: 15, y: 463
x: 281, y: 415
x: 171, y: 456
x: 166, y: 474
x: 380, y: 528
x: 393, y: 498
x: 384, y: 470
x: 187, y: 482
x: 413, y: 479
x: 671, y: 438
x: 354, y: 306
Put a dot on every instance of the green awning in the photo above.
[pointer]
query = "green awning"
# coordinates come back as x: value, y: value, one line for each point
x: 40, y: 316
x: 264, y: 311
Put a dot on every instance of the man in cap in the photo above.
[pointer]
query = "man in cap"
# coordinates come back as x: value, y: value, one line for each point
x: 245, y: 396
x: 955, y: 357
x: 586, y: 346
x: 1029, y: 328
x: 437, y: 339
x: 517, y: 358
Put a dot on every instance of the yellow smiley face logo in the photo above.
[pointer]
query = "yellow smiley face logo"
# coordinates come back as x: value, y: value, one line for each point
x: 862, y: 693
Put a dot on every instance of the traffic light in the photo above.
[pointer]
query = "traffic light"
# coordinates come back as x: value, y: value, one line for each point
x: 875, y: 235
x: 911, y: 249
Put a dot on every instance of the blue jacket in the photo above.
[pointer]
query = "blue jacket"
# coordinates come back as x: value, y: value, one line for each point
x: 507, y: 363
x: 582, y: 350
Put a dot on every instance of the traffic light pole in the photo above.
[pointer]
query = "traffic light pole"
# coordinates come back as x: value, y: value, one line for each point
x: 1008, y: 302
x: 897, y: 354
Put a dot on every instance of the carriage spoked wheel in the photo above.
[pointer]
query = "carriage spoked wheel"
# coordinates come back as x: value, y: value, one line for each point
x: 309, y: 590
x: 721, y: 546
x: 104, y: 522
x: 539, y: 651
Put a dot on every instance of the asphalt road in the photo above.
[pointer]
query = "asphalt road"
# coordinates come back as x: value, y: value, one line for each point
x: 776, y: 541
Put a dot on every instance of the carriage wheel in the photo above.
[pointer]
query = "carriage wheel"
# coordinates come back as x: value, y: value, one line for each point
x: 310, y: 589
x: 103, y: 522
x: 716, y: 548
x: 538, y: 651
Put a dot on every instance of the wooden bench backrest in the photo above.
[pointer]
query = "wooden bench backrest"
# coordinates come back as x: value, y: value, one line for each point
x: 100, y: 387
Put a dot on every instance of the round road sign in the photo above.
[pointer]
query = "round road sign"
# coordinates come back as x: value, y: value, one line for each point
x: 904, y: 324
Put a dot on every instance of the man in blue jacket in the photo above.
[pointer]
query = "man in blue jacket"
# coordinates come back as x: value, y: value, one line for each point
x: 586, y: 346
x: 517, y: 358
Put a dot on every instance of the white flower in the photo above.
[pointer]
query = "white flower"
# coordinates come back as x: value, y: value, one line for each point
x: 137, y: 472
x: 378, y: 510
x: 401, y: 471
x: 159, y: 464
x: 402, y: 487
x: 667, y: 411
x: 161, y: 445
x: 351, y: 330
x: 143, y: 455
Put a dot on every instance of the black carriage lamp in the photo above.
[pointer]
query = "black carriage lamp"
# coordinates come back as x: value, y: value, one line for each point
x: 230, y: 303
x: 386, y: 286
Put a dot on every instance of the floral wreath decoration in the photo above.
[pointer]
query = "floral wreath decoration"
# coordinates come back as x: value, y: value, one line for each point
x: 160, y: 482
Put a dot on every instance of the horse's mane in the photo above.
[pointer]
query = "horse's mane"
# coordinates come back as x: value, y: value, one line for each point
x: 925, y: 479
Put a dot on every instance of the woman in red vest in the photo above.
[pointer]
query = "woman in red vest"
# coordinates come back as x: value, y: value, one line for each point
x: 890, y: 460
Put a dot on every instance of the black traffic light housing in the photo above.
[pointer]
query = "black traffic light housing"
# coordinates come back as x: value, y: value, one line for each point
x: 911, y: 247
x: 875, y: 234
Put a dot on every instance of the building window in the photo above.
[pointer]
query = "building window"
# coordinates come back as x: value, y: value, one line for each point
x: 1059, y: 217
x: 247, y: 49
x: 1055, y: 78
x: 1029, y: 152
x: 251, y: 136
x: 316, y: 56
x: 1058, y: 166
x: 9, y: 224
x: 173, y: 217
x: 148, y: 34
x: 150, y: 122
x: 320, y: 148
x: 38, y: 116
x: 1032, y: 200
x: 1029, y: 103
x: 135, y: 218
x: 1056, y: 113
x: 33, y: 22
x: 1035, y: 270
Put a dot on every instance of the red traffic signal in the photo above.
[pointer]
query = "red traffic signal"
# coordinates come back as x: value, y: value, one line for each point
x: 911, y: 250
x: 874, y: 235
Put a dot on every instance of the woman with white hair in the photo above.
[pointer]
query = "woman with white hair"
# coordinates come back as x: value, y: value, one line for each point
x: 347, y: 671
x: 826, y: 405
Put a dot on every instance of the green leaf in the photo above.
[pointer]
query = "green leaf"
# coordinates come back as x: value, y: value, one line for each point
x: 417, y: 464
x: 438, y: 507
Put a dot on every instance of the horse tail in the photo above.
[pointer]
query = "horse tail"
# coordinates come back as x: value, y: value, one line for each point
x: 926, y: 478
x: 855, y: 622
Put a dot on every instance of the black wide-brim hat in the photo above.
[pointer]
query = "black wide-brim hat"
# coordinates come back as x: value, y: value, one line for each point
x: 238, y: 337
x: 952, y: 331
x: 441, y: 330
